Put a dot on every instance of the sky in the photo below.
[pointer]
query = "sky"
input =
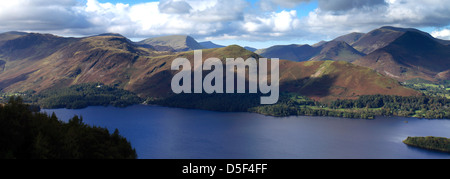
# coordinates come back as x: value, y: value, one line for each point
x: 255, y: 23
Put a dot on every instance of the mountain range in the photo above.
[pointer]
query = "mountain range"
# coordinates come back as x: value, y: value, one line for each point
x: 33, y: 62
x: 178, y: 42
x: 400, y: 53
x: 333, y: 50
x: 410, y: 56
x: 210, y: 45
x: 325, y: 71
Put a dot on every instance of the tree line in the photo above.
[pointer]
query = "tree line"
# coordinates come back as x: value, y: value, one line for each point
x: 431, y: 143
x: 409, y: 106
x: 365, y: 107
x: 84, y: 95
x: 26, y: 133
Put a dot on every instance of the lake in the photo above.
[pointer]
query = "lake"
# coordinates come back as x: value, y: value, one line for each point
x: 171, y: 133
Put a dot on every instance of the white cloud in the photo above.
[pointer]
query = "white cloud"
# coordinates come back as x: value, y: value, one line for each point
x: 107, y: 17
x: 289, y: 3
x: 40, y: 15
x: 161, y: 18
x: 344, y: 5
x: 222, y: 11
x: 441, y: 34
x: 216, y: 19
x: 272, y: 25
x: 148, y: 20
x: 174, y: 7
x: 418, y: 13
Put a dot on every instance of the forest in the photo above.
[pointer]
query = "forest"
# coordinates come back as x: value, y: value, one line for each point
x: 365, y: 107
x: 412, y: 106
x: 431, y: 143
x: 84, y: 95
x: 25, y: 133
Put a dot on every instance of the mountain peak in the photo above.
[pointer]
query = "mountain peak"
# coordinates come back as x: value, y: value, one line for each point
x: 291, y: 52
x: 383, y: 36
x: 209, y: 45
x: 377, y: 39
x: 234, y: 49
x: 398, y: 29
x: 412, y: 55
x: 109, y: 34
x: 350, y: 38
x: 333, y: 50
x: 337, y: 51
x: 177, y: 42
x: 10, y: 36
x: 15, y: 33
x: 319, y: 43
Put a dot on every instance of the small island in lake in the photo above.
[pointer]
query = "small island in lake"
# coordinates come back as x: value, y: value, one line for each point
x: 432, y: 143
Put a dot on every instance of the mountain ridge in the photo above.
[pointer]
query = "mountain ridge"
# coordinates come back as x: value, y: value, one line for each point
x: 210, y: 45
x: 412, y: 55
x: 333, y: 50
x: 401, y: 53
x: 115, y: 60
x: 178, y: 42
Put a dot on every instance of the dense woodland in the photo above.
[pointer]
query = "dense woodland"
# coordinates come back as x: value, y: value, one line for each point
x: 213, y: 102
x: 366, y: 107
x: 414, y: 106
x: 27, y: 134
x: 84, y: 95
x: 432, y: 143
x: 305, y: 107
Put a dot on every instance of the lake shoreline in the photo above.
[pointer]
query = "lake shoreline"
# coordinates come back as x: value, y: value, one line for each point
x: 159, y: 132
x: 172, y: 107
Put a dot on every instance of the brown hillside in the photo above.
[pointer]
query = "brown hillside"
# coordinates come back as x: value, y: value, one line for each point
x: 114, y: 60
x: 328, y: 80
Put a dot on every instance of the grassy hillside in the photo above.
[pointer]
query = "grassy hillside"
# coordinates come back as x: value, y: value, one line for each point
x: 329, y: 80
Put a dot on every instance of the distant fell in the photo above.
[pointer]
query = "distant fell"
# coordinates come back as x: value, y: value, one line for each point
x: 350, y: 38
x: 412, y: 55
x: 177, y: 42
x: 292, y: 52
x: 383, y: 36
x: 210, y: 45
x: 250, y: 49
x: 333, y: 50
x: 337, y: 51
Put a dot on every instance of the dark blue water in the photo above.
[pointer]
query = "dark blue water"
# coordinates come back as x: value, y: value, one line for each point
x: 170, y: 133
